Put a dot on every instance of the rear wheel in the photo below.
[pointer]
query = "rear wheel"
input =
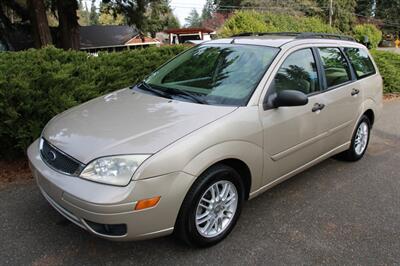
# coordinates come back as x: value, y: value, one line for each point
x: 359, y: 141
x: 211, y: 208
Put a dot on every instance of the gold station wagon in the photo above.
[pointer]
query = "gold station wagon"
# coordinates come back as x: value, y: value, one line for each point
x: 217, y: 125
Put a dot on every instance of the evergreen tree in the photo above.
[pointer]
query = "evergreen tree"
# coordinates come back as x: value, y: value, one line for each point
x: 172, y: 22
x: 193, y: 20
x: 108, y: 16
x: 39, y: 23
x: 388, y: 11
x: 94, y: 16
x: 208, y: 10
x: 158, y: 17
x: 365, y: 7
x: 343, y: 13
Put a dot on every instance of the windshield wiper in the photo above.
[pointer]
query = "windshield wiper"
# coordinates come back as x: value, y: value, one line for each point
x: 146, y: 87
x: 189, y: 95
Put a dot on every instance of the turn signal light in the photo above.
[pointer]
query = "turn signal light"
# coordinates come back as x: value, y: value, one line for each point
x: 147, y: 203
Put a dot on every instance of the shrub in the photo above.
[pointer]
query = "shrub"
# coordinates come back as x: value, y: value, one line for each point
x: 251, y: 21
x: 35, y: 85
x: 389, y: 65
x: 244, y: 21
x: 368, y: 30
x: 286, y: 23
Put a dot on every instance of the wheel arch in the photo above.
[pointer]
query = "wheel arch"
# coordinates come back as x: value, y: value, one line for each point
x: 246, y: 158
x: 243, y: 170
x: 370, y: 108
x: 371, y: 116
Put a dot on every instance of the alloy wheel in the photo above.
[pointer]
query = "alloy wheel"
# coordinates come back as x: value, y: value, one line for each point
x: 361, y: 140
x: 216, y: 209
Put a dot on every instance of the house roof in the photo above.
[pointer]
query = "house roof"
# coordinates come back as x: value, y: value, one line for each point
x: 137, y: 40
x: 188, y: 30
x: 106, y: 36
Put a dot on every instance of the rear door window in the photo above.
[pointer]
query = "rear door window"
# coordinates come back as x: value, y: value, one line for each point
x: 360, y: 61
x: 335, y: 66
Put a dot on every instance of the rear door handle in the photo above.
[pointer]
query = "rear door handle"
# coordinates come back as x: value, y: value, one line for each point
x: 318, y: 107
x: 355, y: 92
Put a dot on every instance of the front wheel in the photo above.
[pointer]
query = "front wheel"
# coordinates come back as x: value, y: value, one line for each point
x: 211, y: 208
x: 359, y: 141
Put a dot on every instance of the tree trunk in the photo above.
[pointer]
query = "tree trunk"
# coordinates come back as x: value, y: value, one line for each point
x: 40, y: 25
x: 68, y: 24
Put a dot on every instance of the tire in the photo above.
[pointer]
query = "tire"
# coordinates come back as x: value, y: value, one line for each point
x: 189, y: 226
x: 355, y: 152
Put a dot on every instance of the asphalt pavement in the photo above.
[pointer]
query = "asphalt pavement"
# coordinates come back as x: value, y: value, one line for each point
x: 334, y: 213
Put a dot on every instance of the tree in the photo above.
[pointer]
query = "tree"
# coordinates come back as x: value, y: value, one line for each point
x: 147, y: 15
x: 343, y: 14
x: 68, y: 24
x: 208, y: 10
x: 193, y: 20
x: 94, y: 16
x: 365, y: 7
x: 133, y: 10
x: 172, y: 22
x: 39, y: 23
x: 83, y: 14
x: 245, y: 21
x: 158, y: 17
x: 7, y: 26
x: 109, y: 17
x: 388, y: 11
x: 215, y: 22
x: 290, y: 7
x: 28, y: 12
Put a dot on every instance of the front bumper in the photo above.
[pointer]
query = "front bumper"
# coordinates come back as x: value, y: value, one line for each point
x: 86, y: 203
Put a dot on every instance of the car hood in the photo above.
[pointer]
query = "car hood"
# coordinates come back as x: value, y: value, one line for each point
x: 127, y: 122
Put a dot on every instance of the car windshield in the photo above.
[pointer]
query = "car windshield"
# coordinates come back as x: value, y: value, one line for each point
x: 223, y: 74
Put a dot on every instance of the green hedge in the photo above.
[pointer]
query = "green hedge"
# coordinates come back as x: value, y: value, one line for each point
x: 288, y: 23
x: 252, y: 21
x: 389, y: 67
x: 245, y: 21
x: 35, y: 85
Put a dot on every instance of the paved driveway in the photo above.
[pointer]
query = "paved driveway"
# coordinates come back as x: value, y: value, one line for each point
x: 334, y: 213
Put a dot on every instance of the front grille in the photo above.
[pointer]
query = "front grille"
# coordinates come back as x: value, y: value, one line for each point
x: 58, y: 160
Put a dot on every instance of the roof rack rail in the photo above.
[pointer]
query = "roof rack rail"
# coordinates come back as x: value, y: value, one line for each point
x: 299, y: 35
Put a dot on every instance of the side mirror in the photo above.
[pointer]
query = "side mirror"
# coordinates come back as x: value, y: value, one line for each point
x: 286, y: 98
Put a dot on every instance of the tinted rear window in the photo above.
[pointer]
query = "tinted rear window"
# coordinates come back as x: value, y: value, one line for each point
x: 360, y: 61
x: 335, y: 66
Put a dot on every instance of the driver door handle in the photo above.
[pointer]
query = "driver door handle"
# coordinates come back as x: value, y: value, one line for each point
x: 318, y: 107
x: 355, y: 92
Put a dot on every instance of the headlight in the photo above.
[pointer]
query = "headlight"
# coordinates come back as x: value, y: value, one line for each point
x: 113, y: 170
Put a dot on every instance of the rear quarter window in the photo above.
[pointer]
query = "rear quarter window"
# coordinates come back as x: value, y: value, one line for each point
x: 337, y: 70
x: 360, y: 61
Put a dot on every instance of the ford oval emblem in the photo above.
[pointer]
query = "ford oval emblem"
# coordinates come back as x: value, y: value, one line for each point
x: 51, y: 156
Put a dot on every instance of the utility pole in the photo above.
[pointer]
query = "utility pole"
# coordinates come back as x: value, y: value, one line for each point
x: 330, y: 12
